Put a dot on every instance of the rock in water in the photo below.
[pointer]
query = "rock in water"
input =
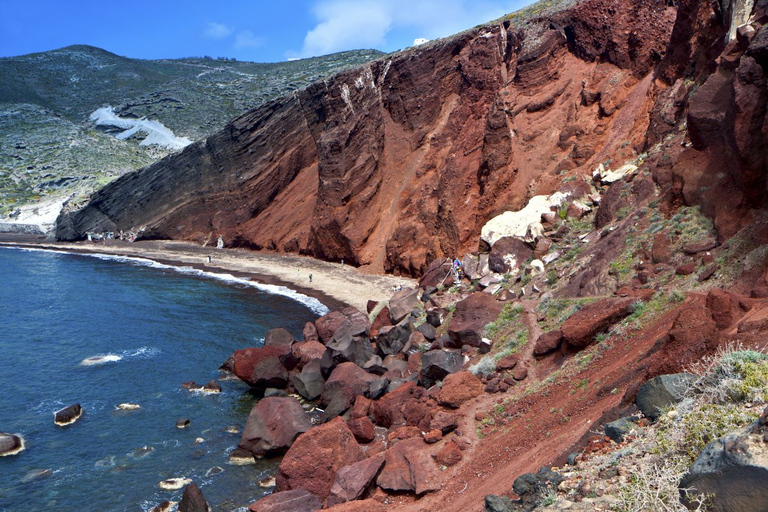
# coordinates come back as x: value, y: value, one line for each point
x: 182, y: 423
x: 193, y: 500
x: 10, y: 444
x: 173, y: 484
x: 163, y: 506
x: 128, y: 407
x: 68, y: 415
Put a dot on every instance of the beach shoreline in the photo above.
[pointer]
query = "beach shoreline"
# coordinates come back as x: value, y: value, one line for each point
x: 334, y: 285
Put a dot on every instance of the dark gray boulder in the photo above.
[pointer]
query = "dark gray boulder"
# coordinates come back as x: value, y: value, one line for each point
x: 495, y: 503
x: 193, y: 500
x: 662, y: 391
x: 278, y: 338
x: 68, y: 415
x: 616, y: 430
x: 309, y: 383
x: 428, y: 331
x: 392, y: 340
x: 436, y: 364
x: 10, y: 444
x: 731, y: 471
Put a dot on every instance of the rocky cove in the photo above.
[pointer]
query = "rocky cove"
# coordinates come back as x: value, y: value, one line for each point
x: 579, y: 188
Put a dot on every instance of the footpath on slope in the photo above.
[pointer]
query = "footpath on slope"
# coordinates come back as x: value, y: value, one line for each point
x: 333, y: 284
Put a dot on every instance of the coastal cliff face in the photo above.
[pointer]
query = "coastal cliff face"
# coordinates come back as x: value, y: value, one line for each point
x: 402, y: 161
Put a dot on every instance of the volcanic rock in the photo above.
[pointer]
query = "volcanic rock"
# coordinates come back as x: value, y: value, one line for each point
x: 387, y: 410
x: 296, y: 500
x: 449, y: 454
x: 313, y: 460
x: 435, y: 274
x: 362, y: 428
x: 353, y: 480
x: 470, y: 317
x: 731, y: 472
x: 508, y: 254
x: 261, y: 367
x: 402, y: 303
x: 580, y: 328
x: 68, y: 415
x: 10, y: 444
x: 660, y: 392
x: 437, y: 364
x: 310, y: 332
x: 273, y: 425
x: 328, y: 324
x: 192, y: 500
x: 547, y: 342
x: 408, y: 467
x: 444, y: 421
x: 458, y: 388
x: 278, y: 338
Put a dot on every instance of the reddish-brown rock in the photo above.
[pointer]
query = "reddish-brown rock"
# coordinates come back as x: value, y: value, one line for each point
x: 362, y: 428
x: 660, y: 251
x: 506, y: 363
x: 444, y: 421
x: 261, y: 367
x: 547, y: 342
x: 408, y: 467
x: 353, y: 480
x: 193, y: 500
x: 307, y: 351
x: 449, y: 454
x: 580, y: 329
x: 310, y: 332
x: 458, y: 388
x: 361, y: 408
x: 433, y: 436
x: 387, y: 410
x: 470, y: 317
x: 726, y: 307
x: 272, y: 426
x: 686, y: 269
x: 311, y: 463
x: 296, y: 500
x: 278, y: 337
x: 369, y: 505
x: 327, y: 325
x: 436, y: 273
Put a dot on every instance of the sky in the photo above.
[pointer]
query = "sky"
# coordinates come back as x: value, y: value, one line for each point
x: 251, y: 30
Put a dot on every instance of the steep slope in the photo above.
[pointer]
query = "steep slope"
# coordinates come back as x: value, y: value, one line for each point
x: 47, y: 102
x: 404, y: 160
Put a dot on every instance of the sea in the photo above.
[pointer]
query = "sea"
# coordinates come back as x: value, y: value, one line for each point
x: 152, y: 326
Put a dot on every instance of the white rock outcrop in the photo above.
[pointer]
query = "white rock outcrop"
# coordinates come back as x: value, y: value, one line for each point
x: 524, y: 224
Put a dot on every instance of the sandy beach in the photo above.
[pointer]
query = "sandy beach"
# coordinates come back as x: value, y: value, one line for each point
x: 334, y: 285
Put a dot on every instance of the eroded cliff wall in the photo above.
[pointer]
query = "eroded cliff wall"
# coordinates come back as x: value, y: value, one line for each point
x: 404, y: 160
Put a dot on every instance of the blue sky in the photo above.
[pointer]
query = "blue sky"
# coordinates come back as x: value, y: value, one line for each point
x: 255, y: 30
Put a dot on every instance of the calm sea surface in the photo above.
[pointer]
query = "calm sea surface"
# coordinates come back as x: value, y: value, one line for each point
x: 158, y: 328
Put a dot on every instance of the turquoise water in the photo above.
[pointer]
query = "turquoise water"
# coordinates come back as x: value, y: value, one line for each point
x: 159, y: 328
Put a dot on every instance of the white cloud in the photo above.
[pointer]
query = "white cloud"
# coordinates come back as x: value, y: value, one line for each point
x: 215, y: 30
x: 247, y: 39
x: 348, y: 24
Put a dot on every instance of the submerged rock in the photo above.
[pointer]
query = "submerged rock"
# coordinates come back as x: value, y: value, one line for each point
x: 173, y: 484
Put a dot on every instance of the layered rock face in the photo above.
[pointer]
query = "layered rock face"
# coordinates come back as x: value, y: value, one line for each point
x: 403, y: 161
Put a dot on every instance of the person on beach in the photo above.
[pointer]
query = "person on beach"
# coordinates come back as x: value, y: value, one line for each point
x: 209, y: 260
x: 342, y: 263
x: 310, y: 278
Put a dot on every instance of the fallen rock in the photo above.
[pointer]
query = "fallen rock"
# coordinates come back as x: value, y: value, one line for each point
x: 309, y: 383
x: 470, y: 317
x: 660, y: 250
x: 296, y: 500
x: 370, y: 505
x: 353, y: 480
x: 697, y: 247
x: 387, y: 410
x: 328, y: 324
x: 531, y: 487
x: 686, y: 269
x: 581, y: 328
x: 547, y: 342
x: 508, y: 254
x: 10, y: 444
x: 433, y: 436
x: 726, y: 307
x: 307, y: 351
x: 310, y: 332
x: 273, y: 425
x: 449, y: 454
x: 732, y: 472
x: 616, y: 430
x: 458, y: 388
x: 437, y: 364
x: 402, y: 303
x: 278, y: 338
x: 495, y: 503
x: 507, y: 362
x: 436, y: 273
x: 362, y: 428
x: 660, y: 392
x: 444, y: 421
x: 408, y: 467
x: 315, y: 457
x: 261, y: 368
x: 193, y: 500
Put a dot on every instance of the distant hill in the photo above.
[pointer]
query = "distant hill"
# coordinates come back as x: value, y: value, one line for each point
x: 50, y: 144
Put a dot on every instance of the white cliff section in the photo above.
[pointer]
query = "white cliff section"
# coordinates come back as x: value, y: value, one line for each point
x: 33, y: 218
x: 156, y: 133
x: 518, y: 224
